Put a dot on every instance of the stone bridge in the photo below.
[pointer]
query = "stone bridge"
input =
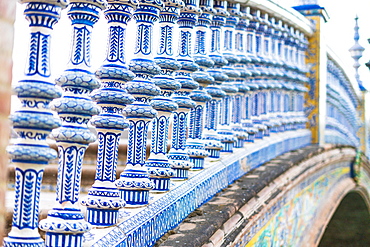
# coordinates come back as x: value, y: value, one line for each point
x: 248, y: 132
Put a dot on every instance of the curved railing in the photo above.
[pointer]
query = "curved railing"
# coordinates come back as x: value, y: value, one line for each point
x: 342, y: 121
x: 198, y: 116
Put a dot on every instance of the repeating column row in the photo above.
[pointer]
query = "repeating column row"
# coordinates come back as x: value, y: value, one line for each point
x: 237, y: 76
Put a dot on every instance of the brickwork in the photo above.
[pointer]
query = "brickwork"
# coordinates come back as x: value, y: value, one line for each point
x: 7, y: 18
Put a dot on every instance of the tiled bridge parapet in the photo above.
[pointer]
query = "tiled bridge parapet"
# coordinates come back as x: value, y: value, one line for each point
x: 238, y: 213
x: 268, y: 100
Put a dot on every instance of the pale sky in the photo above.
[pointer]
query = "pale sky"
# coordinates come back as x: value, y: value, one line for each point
x: 340, y: 30
x: 339, y: 33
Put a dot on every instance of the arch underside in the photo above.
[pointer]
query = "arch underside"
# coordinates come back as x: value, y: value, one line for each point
x: 350, y: 223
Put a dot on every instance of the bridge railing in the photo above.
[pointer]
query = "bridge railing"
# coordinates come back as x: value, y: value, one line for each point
x: 342, y: 122
x: 228, y: 97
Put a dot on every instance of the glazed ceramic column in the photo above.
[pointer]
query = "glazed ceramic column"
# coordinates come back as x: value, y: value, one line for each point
x: 33, y: 122
x: 65, y: 223
x: 268, y: 81
x: 300, y: 79
x: 267, y: 44
x: 104, y: 200
x: 134, y: 182
x: 303, y: 44
x: 250, y: 48
x: 290, y: 77
x: 212, y: 138
x: 280, y: 52
x: 276, y: 85
x: 289, y: 44
x: 228, y: 86
x: 239, y: 98
x: 178, y: 154
x: 259, y: 26
x: 247, y: 114
x: 159, y: 167
x: 250, y: 43
x: 282, y: 69
x: 195, y: 143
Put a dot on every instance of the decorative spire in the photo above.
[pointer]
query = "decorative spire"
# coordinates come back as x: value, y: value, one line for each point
x: 356, y: 53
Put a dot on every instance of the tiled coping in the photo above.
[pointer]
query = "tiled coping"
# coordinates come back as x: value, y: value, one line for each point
x: 144, y: 226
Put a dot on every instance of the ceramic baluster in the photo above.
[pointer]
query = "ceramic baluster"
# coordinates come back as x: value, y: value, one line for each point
x: 303, y: 44
x: 250, y: 50
x: 276, y: 84
x: 281, y: 61
x: 257, y: 53
x: 299, y: 80
x: 267, y: 44
x: 195, y: 143
x: 259, y: 27
x: 250, y: 43
x: 247, y: 114
x: 212, y: 138
x: 268, y: 80
x: 134, y: 182
x: 159, y: 166
x: 295, y: 49
x: 178, y: 154
x: 239, y: 98
x: 228, y: 86
x: 292, y: 78
x: 33, y: 122
x: 287, y: 72
x: 290, y: 42
x: 104, y: 200
x: 65, y: 223
x: 290, y: 47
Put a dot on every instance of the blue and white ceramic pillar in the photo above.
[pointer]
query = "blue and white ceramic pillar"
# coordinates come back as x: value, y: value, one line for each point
x: 281, y: 61
x: 33, y: 122
x: 289, y: 74
x: 300, y: 80
x: 104, y: 200
x: 252, y: 60
x: 239, y: 98
x: 294, y: 79
x: 259, y: 27
x: 65, y: 223
x: 159, y: 167
x: 227, y: 108
x: 247, y: 114
x: 253, y: 65
x: 276, y: 80
x: 303, y: 44
x: 287, y: 66
x: 250, y: 43
x: 134, y: 182
x: 212, y: 138
x: 178, y: 154
x: 268, y: 80
x: 195, y: 143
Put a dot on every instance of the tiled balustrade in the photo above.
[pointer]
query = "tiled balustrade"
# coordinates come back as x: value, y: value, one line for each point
x: 227, y: 98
